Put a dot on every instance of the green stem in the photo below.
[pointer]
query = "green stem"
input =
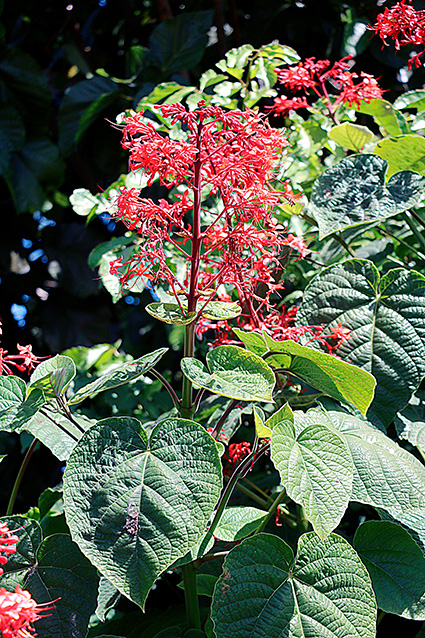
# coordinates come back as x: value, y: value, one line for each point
x: 186, y: 408
x: 380, y: 618
x: 191, y: 596
x: 272, y: 510
x: 414, y: 230
x: 18, y: 480
x: 252, y: 495
x: 387, y: 233
x: 303, y: 524
x: 167, y: 386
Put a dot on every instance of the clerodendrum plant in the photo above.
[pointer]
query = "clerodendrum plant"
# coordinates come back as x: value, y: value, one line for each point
x: 142, y: 501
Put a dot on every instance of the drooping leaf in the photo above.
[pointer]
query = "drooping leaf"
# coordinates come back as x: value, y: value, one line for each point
x: 322, y: 371
x: 135, y: 505
x: 261, y: 430
x: 403, y: 153
x: 178, y: 43
x: 386, y: 318
x: 63, y: 574
x: 315, y: 467
x: 396, y: 566
x: 354, y: 192
x: 326, y: 591
x: 129, y: 371
x: 220, y: 310
x: 238, y: 522
x: 351, y: 136
x: 170, y: 313
x: 52, y: 376
x: 232, y: 372
x: 56, y: 431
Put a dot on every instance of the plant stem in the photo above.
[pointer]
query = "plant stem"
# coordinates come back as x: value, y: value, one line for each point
x: 191, y: 597
x: 167, y: 386
x: 272, y: 509
x: 303, y: 523
x: 18, y: 480
x: 222, y: 419
x: 414, y: 230
x: 252, y: 495
x: 186, y: 407
x: 387, y: 233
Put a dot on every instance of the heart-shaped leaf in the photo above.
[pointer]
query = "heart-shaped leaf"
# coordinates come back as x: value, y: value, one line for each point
x: 403, y: 153
x: 350, y: 135
x: 238, y: 522
x: 354, y: 192
x: 52, y: 376
x: 233, y: 372
x: 322, y: 371
x: 170, y: 313
x: 118, y: 376
x: 135, y: 505
x: 396, y: 566
x: 325, y: 591
x: 386, y: 318
x: 15, y: 409
x: 315, y: 467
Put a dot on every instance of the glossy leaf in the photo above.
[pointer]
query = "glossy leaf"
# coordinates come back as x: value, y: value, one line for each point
x: 221, y: 310
x: 315, y: 467
x: 386, y: 318
x: 170, y: 313
x: 135, y: 505
x: 52, y: 376
x: 322, y: 371
x: 325, y: 591
x: 130, y: 371
x: 233, y: 372
x: 403, y: 153
x: 354, y: 192
x: 238, y: 522
x: 396, y: 566
x: 351, y: 136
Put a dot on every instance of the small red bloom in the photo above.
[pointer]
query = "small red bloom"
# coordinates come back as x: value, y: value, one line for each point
x: 8, y: 542
x: 298, y: 244
x: 404, y: 25
x: 283, y: 105
x: 237, y: 452
x: 17, y: 613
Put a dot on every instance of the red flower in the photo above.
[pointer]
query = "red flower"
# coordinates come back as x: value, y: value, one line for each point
x: 17, y: 613
x: 282, y: 104
x: 237, y: 452
x: 8, y: 542
x: 404, y: 26
x: 298, y: 244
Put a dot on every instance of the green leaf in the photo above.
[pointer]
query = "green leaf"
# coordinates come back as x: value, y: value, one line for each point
x: 82, y: 104
x: 178, y: 43
x: 121, y: 375
x: 410, y: 422
x: 135, y: 505
x: 351, y: 136
x: 115, y: 244
x: 63, y: 574
x: 52, y: 376
x: 411, y: 100
x: 261, y: 430
x: 24, y: 559
x: 322, y: 371
x: 396, y: 566
x: 384, y: 115
x: 12, y: 135
x: 233, y: 372
x: 385, y: 475
x: 238, y: 522
x: 15, y: 410
x: 221, y: 310
x: 170, y: 313
x: 315, y: 467
x: 205, y: 584
x: 326, y: 591
x: 386, y: 317
x: 107, y: 597
x: 56, y: 431
x: 403, y: 153
x: 354, y: 192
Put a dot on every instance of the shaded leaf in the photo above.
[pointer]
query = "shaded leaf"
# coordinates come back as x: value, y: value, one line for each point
x: 52, y: 376
x: 15, y: 409
x: 25, y: 557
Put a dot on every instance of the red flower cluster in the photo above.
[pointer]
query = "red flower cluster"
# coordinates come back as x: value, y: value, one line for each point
x: 8, y: 542
x: 25, y: 360
x: 17, y: 613
x: 237, y: 452
x: 224, y: 165
x: 312, y: 75
x: 404, y: 26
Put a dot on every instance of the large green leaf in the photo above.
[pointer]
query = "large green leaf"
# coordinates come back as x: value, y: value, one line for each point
x: 15, y: 409
x: 135, y: 505
x: 315, y: 467
x: 350, y: 135
x: 52, y: 376
x: 322, y: 371
x: 238, y: 522
x: 56, y: 431
x: 403, y: 153
x: 233, y: 372
x: 24, y: 559
x: 119, y: 376
x: 325, y: 591
x: 396, y: 566
x: 220, y: 310
x: 384, y: 115
x: 178, y: 43
x: 385, y: 476
x: 63, y: 574
x: 386, y: 317
x: 354, y: 192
